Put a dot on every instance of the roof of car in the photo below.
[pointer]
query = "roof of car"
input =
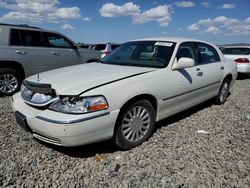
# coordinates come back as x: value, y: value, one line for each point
x: 170, y: 39
x: 19, y: 25
x: 25, y: 26
x: 236, y: 46
x: 28, y: 27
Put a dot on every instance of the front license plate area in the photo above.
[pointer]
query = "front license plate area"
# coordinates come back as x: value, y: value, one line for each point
x: 21, y: 120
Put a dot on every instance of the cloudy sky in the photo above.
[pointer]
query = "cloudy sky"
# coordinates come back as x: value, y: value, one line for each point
x: 91, y: 21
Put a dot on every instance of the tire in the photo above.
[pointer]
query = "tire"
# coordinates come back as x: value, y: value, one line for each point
x: 223, y: 92
x: 135, y: 125
x: 10, y: 81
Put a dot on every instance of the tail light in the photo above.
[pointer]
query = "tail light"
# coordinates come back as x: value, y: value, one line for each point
x: 242, y: 60
x: 106, y: 52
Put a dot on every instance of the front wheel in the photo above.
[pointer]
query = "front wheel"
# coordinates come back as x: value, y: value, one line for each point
x: 223, y: 92
x: 135, y: 125
x: 10, y: 81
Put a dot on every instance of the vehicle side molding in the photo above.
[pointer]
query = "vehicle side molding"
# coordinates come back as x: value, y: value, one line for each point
x: 183, y: 62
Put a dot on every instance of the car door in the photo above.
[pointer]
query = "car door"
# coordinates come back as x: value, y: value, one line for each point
x: 211, y: 69
x: 29, y: 50
x: 183, y: 86
x: 61, y: 51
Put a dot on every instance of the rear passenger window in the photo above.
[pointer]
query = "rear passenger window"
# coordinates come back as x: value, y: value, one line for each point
x: 15, y: 39
x: 208, y: 53
x: 31, y: 38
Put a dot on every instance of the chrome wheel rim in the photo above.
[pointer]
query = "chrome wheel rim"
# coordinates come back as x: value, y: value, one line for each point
x: 224, y: 92
x: 8, y: 83
x: 136, y: 123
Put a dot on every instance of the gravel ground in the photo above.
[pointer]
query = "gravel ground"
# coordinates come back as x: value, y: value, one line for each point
x: 206, y: 146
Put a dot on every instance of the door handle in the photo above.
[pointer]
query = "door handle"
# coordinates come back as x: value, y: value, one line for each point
x: 56, y: 53
x: 21, y: 52
x: 221, y: 68
x: 199, y: 73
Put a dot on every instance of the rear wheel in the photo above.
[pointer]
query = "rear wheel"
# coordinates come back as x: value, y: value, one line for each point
x: 10, y: 81
x: 135, y: 125
x: 223, y: 92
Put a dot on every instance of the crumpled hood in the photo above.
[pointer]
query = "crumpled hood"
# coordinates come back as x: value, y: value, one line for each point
x: 74, y: 80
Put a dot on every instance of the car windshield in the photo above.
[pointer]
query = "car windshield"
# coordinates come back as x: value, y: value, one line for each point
x: 236, y: 51
x: 142, y: 53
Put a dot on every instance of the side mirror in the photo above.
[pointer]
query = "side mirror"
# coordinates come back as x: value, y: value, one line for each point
x: 183, y: 62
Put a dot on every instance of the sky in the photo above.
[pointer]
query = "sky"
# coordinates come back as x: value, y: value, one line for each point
x: 118, y: 21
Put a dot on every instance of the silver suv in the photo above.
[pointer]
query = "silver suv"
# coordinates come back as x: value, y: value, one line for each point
x: 26, y: 50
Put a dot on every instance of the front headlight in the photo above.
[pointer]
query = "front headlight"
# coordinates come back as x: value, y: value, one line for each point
x: 79, y: 105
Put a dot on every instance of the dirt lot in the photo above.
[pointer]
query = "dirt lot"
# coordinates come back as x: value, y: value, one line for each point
x: 206, y: 146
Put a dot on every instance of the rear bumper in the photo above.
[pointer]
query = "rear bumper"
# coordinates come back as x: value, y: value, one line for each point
x: 243, y: 67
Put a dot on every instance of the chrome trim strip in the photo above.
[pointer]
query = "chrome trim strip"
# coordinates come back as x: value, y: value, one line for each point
x: 72, y: 121
x: 190, y: 91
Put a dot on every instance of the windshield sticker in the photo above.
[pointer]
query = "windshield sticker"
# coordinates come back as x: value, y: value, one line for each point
x: 168, y: 44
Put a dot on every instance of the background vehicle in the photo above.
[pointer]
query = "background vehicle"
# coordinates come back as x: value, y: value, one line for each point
x: 26, y: 50
x: 99, y: 47
x: 82, y: 45
x: 241, y: 55
x: 125, y: 94
x: 105, y: 48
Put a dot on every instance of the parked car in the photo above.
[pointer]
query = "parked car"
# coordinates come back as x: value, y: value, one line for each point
x: 221, y: 48
x: 26, y: 50
x: 241, y: 55
x: 125, y: 94
x: 82, y: 45
x: 105, y: 48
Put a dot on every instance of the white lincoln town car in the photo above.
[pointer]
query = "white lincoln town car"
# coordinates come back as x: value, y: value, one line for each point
x: 124, y: 95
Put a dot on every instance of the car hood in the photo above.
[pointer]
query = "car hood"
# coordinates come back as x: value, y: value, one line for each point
x: 74, y: 80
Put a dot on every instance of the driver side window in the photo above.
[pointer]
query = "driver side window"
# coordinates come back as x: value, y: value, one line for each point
x: 56, y: 41
x: 187, y: 50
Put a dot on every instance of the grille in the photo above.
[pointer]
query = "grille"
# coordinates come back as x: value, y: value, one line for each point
x: 35, y: 95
